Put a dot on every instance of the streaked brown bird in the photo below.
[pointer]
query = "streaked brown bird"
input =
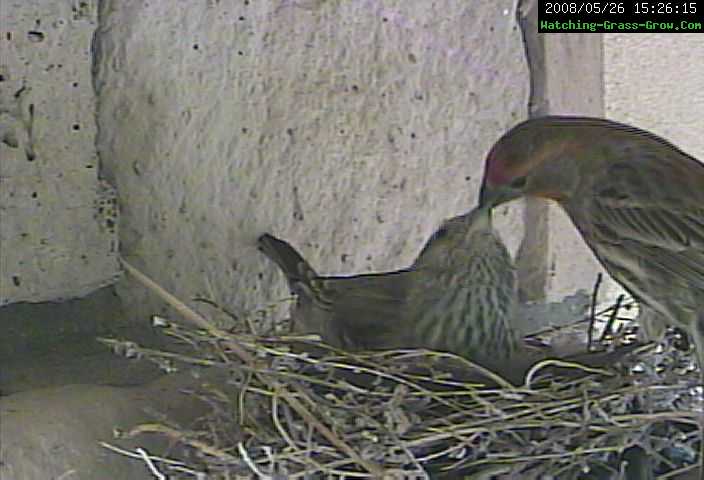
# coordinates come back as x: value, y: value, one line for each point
x: 458, y: 296
x: 636, y: 199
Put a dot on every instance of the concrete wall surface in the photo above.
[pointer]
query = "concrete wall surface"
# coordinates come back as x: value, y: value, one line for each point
x: 57, y: 220
x: 656, y: 81
x: 566, y: 79
x: 350, y: 129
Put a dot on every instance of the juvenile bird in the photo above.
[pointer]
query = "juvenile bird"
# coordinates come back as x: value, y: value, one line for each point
x: 458, y: 296
x: 636, y: 199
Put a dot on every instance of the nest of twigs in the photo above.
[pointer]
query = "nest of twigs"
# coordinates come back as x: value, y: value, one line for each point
x: 292, y: 408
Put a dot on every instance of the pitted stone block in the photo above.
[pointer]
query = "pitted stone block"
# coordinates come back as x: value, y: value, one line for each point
x: 57, y: 220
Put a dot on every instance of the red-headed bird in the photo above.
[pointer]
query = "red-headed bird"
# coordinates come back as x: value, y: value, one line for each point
x: 636, y: 199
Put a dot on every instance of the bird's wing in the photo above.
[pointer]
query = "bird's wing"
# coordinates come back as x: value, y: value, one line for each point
x: 652, y: 205
x: 376, y: 294
x: 367, y: 310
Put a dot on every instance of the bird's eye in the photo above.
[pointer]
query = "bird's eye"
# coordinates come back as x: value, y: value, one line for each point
x: 519, y: 182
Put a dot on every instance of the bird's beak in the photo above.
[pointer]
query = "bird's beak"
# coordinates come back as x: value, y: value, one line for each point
x: 491, y: 196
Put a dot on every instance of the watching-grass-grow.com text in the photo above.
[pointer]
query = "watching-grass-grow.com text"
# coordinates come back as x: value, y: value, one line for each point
x: 577, y: 25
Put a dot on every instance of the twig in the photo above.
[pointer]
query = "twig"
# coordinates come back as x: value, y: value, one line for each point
x: 612, y: 318
x: 678, y: 472
x: 201, y: 322
x: 150, y: 465
x: 217, y: 306
x: 250, y: 463
x: 592, y: 313
x: 560, y: 363
x: 172, y: 464
x: 554, y: 424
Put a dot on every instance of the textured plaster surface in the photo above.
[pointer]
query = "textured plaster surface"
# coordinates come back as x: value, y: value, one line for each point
x: 573, y: 86
x: 566, y: 77
x: 656, y: 81
x: 350, y: 129
x: 57, y: 220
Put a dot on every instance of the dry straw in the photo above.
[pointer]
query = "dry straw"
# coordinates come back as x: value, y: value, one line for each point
x: 293, y: 408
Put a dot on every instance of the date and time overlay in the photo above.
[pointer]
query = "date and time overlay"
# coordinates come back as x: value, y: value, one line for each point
x: 620, y: 16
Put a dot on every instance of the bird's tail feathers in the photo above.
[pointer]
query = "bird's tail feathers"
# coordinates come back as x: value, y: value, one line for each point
x: 296, y: 269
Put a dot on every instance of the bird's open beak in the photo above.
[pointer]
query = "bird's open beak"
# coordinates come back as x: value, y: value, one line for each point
x: 491, y: 196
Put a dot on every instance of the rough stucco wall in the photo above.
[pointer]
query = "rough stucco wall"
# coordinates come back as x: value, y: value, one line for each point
x: 656, y: 81
x: 349, y: 128
x: 573, y: 82
x: 57, y: 220
x: 566, y: 79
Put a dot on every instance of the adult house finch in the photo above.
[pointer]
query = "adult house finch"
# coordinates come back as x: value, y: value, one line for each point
x: 636, y: 199
x: 458, y: 296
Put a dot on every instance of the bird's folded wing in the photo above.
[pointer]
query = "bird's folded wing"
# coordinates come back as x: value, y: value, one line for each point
x: 367, y: 310
x: 367, y: 296
x: 669, y: 236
